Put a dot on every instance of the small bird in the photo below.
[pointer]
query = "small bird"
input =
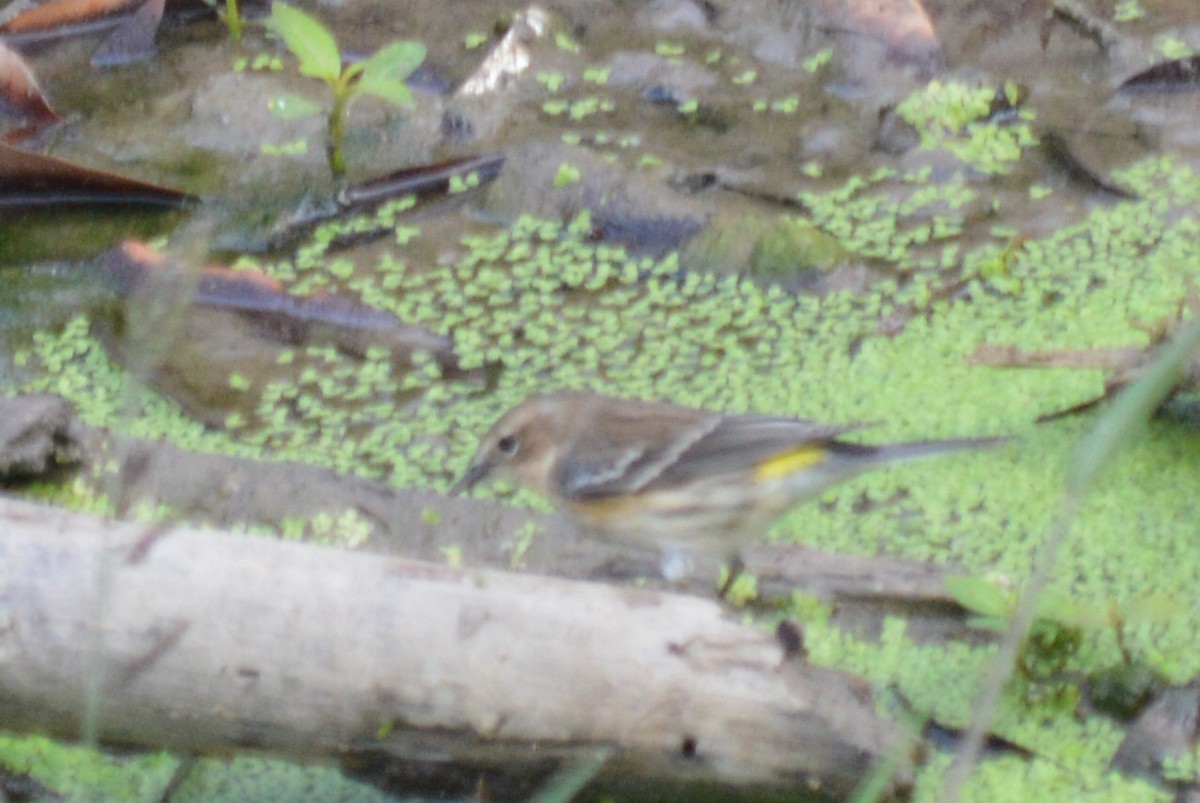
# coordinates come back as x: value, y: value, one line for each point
x: 678, y: 479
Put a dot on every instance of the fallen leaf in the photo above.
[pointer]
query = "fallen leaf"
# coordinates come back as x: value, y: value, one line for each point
x: 228, y: 330
x: 58, y: 13
x: 427, y: 182
x: 33, y: 179
x: 133, y: 40
x: 132, y: 265
x: 423, y: 180
x: 1180, y: 75
x: 19, y: 89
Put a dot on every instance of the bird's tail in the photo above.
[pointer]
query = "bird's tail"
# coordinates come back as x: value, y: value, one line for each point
x: 915, y: 450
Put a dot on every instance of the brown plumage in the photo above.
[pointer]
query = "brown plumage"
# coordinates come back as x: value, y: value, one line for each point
x: 662, y: 475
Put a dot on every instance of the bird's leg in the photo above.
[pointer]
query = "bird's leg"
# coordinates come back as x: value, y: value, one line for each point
x: 676, y: 564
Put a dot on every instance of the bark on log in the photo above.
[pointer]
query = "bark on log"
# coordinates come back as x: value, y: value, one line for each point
x: 201, y: 641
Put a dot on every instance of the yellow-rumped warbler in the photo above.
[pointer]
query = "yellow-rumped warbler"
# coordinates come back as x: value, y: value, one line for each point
x: 675, y: 478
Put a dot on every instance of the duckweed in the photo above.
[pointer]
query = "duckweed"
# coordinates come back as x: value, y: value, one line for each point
x: 537, y: 306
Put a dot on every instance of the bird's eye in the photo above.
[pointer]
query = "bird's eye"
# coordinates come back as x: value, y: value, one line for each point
x: 508, y: 445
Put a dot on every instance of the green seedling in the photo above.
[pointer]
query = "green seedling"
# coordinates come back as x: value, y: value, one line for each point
x: 230, y: 16
x: 382, y: 75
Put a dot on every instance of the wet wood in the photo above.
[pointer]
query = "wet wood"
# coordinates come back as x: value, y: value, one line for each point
x: 205, y: 641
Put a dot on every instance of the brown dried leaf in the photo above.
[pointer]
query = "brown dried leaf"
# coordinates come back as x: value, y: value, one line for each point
x: 223, y: 322
x: 424, y: 180
x: 1179, y: 75
x: 133, y: 40
x: 285, y: 317
x: 19, y: 89
x: 428, y: 183
x: 58, y: 13
x: 34, y: 179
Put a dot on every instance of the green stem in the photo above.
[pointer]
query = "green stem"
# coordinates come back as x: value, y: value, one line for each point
x: 337, y: 118
x: 233, y: 20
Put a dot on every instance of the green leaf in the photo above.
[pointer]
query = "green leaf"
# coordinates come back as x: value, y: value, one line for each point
x: 384, y: 74
x: 391, y: 91
x: 980, y: 596
x: 309, y: 40
x: 292, y: 107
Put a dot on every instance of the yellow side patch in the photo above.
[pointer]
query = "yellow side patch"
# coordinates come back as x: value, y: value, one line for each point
x: 781, y: 465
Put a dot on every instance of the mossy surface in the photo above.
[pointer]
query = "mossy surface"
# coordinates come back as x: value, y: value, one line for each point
x: 78, y: 774
x: 249, y: 778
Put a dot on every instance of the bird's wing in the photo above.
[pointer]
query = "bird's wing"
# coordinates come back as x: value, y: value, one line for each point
x: 643, y: 447
x: 740, y: 444
x: 624, y: 447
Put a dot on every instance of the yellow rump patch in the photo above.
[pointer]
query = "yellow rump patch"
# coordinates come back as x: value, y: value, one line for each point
x: 782, y: 465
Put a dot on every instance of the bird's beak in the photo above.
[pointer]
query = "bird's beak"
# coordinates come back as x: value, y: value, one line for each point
x: 476, y: 473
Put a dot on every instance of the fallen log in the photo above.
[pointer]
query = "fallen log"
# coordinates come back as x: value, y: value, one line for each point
x: 201, y: 642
